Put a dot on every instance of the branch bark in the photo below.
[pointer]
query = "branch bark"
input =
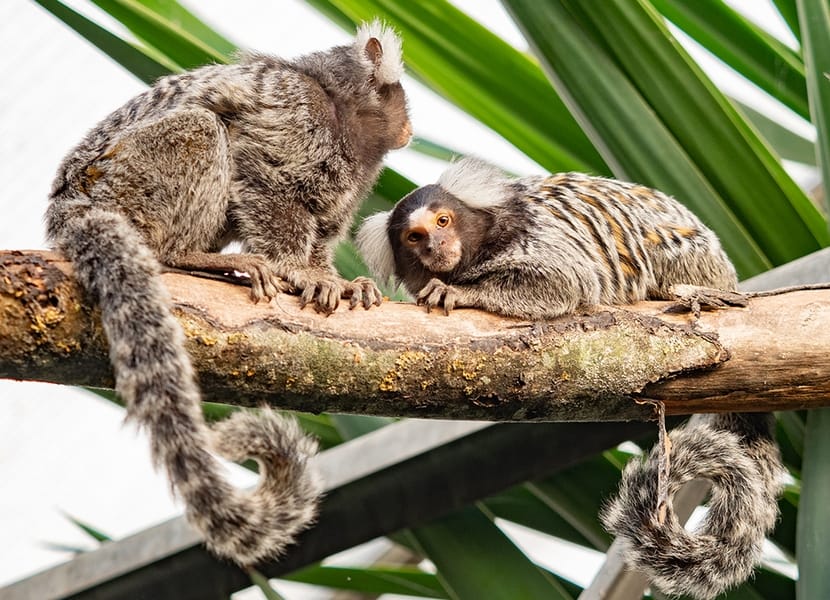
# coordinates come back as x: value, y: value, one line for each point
x: 398, y: 360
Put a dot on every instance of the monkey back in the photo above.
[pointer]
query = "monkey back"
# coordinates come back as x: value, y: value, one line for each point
x: 638, y: 241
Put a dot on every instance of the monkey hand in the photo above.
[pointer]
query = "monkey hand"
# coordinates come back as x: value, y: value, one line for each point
x: 437, y: 293
x: 265, y: 282
x: 320, y: 289
x: 362, y: 290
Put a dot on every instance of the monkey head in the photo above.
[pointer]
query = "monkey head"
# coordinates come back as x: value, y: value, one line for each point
x: 423, y: 228
x: 432, y: 232
x: 388, y: 121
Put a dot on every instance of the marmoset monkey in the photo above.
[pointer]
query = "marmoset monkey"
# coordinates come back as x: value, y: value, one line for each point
x: 273, y: 153
x: 540, y: 247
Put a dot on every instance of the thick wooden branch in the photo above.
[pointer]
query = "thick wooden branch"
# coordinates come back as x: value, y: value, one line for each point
x: 399, y: 360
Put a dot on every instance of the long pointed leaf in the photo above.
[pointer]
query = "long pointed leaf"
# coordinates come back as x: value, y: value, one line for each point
x: 813, y: 525
x: 135, y: 60
x: 814, y: 16
x: 744, y: 46
x: 408, y: 581
x: 789, y: 12
x: 467, y: 64
x: 176, y: 14
x: 476, y: 560
x: 623, y: 125
x: 159, y: 32
x: 728, y: 152
x: 786, y: 143
x: 813, y: 529
x: 520, y: 505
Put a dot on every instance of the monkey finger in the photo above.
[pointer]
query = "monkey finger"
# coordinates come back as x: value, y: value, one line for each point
x: 435, y: 298
x: 328, y: 297
x: 355, y: 295
x: 373, y: 296
x: 308, y: 295
x: 426, y: 291
x: 268, y: 286
x: 450, y: 298
x: 257, y: 292
x: 369, y: 294
x: 281, y: 285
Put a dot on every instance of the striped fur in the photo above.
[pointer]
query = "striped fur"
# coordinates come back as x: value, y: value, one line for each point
x: 540, y: 247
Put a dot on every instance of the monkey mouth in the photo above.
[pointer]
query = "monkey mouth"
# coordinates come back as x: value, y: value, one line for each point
x: 441, y: 263
x: 404, y: 137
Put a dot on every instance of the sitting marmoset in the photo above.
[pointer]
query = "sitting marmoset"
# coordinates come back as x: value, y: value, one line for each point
x: 543, y: 246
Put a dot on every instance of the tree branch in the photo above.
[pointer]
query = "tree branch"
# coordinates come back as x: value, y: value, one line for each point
x: 398, y: 360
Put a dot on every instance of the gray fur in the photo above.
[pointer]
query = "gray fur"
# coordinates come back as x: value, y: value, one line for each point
x: 275, y: 154
x: 738, y: 454
x: 540, y: 247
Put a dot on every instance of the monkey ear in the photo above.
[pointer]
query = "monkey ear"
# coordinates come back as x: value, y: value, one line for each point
x: 374, y: 51
x: 373, y: 243
x: 476, y: 183
x: 380, y: 46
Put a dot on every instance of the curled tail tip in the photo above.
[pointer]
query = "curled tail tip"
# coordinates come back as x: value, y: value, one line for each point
x: 265, y: 435
x: 726, y: 547
x: 264, y: 522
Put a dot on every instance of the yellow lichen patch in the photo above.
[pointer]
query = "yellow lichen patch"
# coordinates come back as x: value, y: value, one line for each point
x: 52, y: 316
x: 426, y: 383
x: 469, y: 372
x: 38, y: 324
x: 408, y: 358
x: 68, y: 347
x: 189, y: 328
x: 389, y: 383
x: 405, y: 361
x: 236, y: 338
x: 194, y: 332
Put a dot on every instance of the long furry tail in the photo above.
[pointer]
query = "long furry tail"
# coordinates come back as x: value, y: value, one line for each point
x: 737, y: 453
x: 154, y: 375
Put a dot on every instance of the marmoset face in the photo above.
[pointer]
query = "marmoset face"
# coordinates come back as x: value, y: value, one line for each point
x: 431, y: 235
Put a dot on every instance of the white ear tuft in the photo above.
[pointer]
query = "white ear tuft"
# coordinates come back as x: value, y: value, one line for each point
x: 389, y: 67
x: 476, y: 183
x: 372, y: 241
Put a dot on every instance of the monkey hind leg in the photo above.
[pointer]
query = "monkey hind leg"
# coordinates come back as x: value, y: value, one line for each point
x: 744, y: 467
x: 705, y: 266
x: 171, y: 178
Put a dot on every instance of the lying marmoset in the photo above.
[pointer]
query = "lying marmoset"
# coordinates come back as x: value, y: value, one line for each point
x: 276, y: 154
x: 540, y: 247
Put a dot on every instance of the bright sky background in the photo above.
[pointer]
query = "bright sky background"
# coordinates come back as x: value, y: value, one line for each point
x: 64, y: 451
